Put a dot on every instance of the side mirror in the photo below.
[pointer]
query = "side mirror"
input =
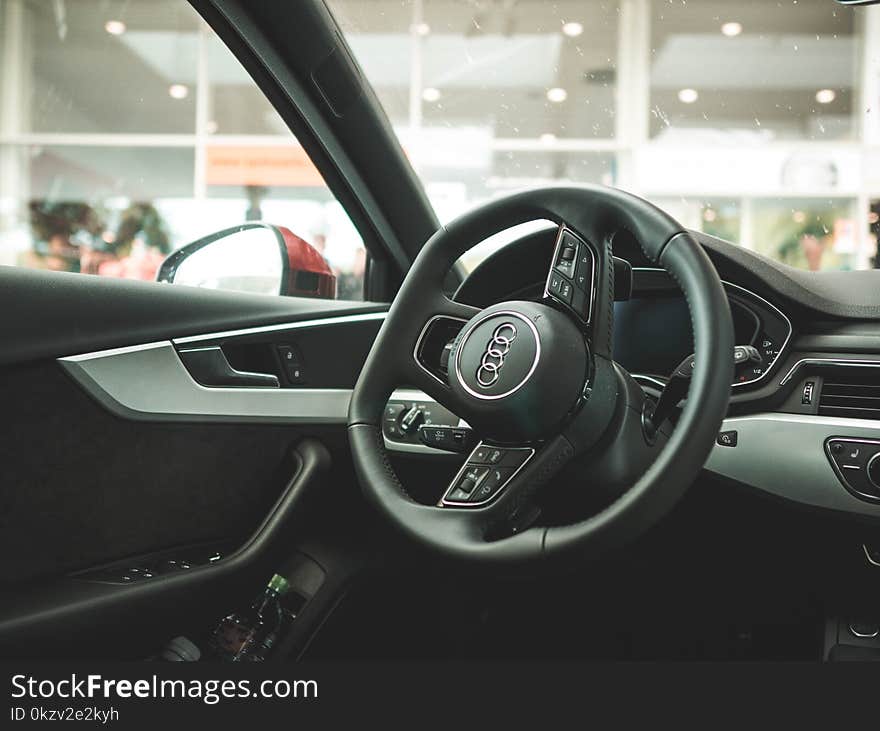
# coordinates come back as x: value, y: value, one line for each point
x: 255, y: 257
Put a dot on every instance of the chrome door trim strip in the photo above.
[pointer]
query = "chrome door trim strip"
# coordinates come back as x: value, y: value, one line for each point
x: 150, y: 383
x: 784, y: 454
x: 282, y: 327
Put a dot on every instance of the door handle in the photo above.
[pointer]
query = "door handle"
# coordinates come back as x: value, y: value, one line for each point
x: 210, y: 367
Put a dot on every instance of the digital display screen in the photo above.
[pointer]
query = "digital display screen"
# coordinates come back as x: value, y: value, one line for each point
x: 652, y: 336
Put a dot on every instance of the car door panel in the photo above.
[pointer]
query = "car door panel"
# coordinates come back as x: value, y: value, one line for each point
x: 54, y: 314
x: 115, y: 454
x: 74, y: 615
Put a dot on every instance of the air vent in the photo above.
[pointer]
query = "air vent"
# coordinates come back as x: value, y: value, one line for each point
x: 852, y: 393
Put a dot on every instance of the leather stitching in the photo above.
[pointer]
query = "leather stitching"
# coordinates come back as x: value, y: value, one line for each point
x: 386, y: 464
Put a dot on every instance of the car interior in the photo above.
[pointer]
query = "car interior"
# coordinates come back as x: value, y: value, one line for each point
x: 614, y: 438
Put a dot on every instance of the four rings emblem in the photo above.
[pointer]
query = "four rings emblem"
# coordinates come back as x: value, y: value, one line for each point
x: 493, y: 359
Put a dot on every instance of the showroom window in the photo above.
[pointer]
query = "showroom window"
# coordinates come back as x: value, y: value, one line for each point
x: 765, y: 71
x: 487, y: 97
x: 128, y: 130
x: 753, y: 121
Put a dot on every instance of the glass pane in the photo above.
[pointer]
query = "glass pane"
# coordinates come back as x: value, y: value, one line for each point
x: 490, y: 96
x: 812, y: 234
x: 310, y: 212
x: 87, y: 80
x: 94, y: 66
x: 512, y: 68
x: 720, y: 217
x: 759, y: 70
x: 236, y: 106
x: 98, y: 210
x: 456, y: 188
x: 273, y: 181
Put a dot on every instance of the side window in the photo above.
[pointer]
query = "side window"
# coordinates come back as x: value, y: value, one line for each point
x: 128, y: 130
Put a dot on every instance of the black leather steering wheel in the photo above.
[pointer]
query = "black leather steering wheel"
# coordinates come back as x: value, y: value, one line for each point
x: 540, y: 376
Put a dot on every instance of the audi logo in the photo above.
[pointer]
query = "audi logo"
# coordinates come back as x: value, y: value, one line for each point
x: 493, y: 359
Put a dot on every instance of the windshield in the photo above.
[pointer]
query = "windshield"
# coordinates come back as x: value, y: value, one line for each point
x: 751, y: 120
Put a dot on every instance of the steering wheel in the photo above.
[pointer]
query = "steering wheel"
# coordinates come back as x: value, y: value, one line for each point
x: 537, y: 383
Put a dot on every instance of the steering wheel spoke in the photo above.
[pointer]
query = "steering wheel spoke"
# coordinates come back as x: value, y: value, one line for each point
x: 456, y: 310
x: 486, y: 474
x: 503, y: 482
x: 415, y: 375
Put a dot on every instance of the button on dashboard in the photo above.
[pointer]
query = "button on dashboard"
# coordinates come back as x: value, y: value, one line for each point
x: 857, y: 464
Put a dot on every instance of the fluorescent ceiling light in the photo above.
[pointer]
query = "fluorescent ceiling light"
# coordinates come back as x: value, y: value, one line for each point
x: 572, y: 29
x: 178, y: 91
x: 431, y: 94
x: 688, y: 96
x: 557, y: 94
x: 548, y: 138
x: 732, y: 29
x: 825, y: 96
x: 114, y: 27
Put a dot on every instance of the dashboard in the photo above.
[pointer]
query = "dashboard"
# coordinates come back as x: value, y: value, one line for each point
x: 804, y: 416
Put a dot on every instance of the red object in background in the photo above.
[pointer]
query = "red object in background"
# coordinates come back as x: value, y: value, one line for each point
x: 141, y: 265
x: 310, y: 275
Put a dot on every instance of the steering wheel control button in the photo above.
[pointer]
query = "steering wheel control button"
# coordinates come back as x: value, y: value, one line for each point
x: 479, y: 455
x: 516, y: 458
x: 487, y: 455
x: 495, y: 456
x: 496, y: 478
x: 727, y: 438
x: 558, y: 286
x: 457, y: 496
x: 857, y: 464
x: 472, y: 477
x: 571, y: 277
x: 476, y: 484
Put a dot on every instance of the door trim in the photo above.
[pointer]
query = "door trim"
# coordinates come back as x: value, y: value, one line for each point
x: 149, y: 382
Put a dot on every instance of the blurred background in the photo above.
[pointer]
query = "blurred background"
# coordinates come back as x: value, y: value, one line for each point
x: 127, y: 129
